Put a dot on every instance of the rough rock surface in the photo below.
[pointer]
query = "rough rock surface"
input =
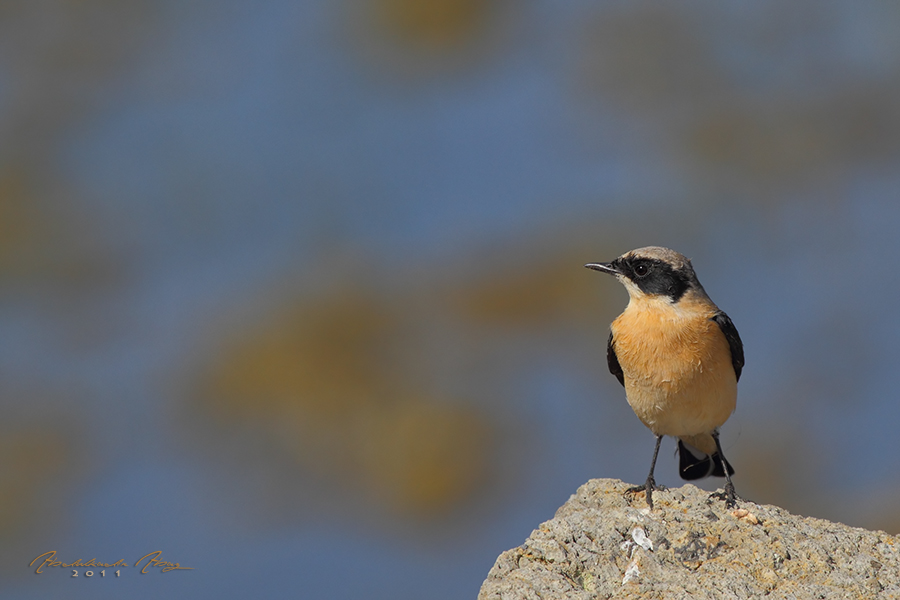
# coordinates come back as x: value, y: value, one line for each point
x: 604, y: 543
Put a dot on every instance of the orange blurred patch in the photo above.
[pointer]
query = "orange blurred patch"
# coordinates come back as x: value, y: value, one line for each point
x: 20, y: 231
x: 558, y: 290
x: 38, y: 241
x: 427, y: 457
x: 433, y: 24
x: 792, y: 140
x: 326, y: 384
x: 414, y: 39
x: 324, y: 358
x: 34, y: 459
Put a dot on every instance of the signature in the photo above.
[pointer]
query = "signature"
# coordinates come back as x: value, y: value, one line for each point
x: 153, y: 561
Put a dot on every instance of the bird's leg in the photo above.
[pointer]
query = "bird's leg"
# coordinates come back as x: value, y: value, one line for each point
x: 729, y: 496
x: 650, y: 484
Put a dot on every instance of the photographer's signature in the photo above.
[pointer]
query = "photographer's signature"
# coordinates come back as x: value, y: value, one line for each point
x: 151, y: 560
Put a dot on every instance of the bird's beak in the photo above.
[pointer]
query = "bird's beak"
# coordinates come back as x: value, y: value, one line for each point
x: 603, y: 268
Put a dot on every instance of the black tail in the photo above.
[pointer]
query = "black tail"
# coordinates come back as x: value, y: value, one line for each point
x: 694, y: 464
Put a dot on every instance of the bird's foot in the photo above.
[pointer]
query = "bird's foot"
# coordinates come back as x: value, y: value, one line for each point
x: 731, y: 499
x: 647, y: 487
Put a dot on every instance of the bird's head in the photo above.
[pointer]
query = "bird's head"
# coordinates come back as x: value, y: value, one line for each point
x: 653, y: 271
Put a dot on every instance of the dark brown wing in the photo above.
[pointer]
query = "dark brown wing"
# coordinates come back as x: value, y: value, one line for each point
x: 613, y: 361
x: 734, y: 341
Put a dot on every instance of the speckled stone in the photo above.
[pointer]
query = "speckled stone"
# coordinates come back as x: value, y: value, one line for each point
x: 603, y: 543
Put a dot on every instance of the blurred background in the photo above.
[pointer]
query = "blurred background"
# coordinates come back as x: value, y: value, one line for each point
x: 293, y: 291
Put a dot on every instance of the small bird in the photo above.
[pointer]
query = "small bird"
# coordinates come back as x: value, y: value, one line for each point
x: 679, y: 358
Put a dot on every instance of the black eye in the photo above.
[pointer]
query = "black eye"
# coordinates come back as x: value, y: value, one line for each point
x: 641, y: 270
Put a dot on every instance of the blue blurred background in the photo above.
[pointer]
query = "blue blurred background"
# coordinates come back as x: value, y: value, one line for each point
x: 293, y: 291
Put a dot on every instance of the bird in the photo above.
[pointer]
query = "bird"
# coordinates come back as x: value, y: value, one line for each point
x: 679, y: 358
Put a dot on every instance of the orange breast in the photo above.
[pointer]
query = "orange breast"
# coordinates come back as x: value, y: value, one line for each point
x: 679, y: 378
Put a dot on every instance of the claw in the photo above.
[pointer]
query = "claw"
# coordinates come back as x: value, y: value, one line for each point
x: 647, y: 487
x: 731, y: 499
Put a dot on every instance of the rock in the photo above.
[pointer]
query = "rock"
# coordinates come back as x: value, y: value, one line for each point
x: 603, y: 543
